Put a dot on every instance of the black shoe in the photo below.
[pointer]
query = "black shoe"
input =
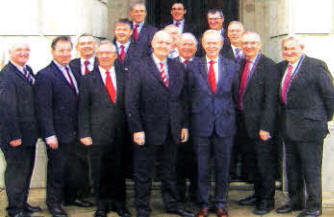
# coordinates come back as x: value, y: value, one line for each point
x: 122, y: 212
x: 309, y: 213
x: 287, y: 208
x: 31, y: 209
x: 263, y: 208
x: 20, y: 214
x: 181, y: 212
x: 79, y: 202
x: 248, y: 201
x: 57, y: 211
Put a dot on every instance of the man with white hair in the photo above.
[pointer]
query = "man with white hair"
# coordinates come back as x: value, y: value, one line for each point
x: 212, y: 82
x: 307, y: 104
x: 187, y: 48
x: 19, y: 130
x: 156, y: 109
x: 256, y: 116
x: 101, y: 126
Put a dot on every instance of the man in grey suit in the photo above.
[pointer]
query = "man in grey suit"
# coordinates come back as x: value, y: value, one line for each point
x: 307, y: 103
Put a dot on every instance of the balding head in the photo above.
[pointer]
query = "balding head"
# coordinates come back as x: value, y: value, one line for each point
x: 187, y: 46
x: 234, y: 32
x: 106, y: 54
x: 212, y: 42
x: 292, y: 49
x: 250, y: 44
x: 19, y: 53
x: 162, y: 43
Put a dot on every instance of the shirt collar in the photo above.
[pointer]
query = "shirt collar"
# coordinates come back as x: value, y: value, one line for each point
x: 61, y: 67
x: 20, y: 68
x: 140, y: 24
x: 182, y: 59
x: 158, y: 61
x: 127, y: 44
x: 90, y: 60
x: 103, y: 71
x: 208, y: 60
x: 181, y: 22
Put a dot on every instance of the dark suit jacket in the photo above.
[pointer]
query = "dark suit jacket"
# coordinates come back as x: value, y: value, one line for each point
x: 151, y: 106
x: 143, y: 42
x: 75, y: 65
x: 260, y: 99
x: 227, y: 51
x: 17, y: 106
x: 188, y: 27
x: 57, y: 104
x: 310, y: 101
x: 130, y: 56
x: 210, y: 111
x: 99, y: 118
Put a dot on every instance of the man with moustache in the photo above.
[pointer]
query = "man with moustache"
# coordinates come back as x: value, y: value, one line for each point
x: 157, y: 116
x: 101, y: 125
x: 256, y: 116
x: 57, y: 106
x: 307, y: 104
x: 186, y: 166
x: 77, y: 183
x: 19, y: 129
x: 212, y: 82
x: 142, y: 33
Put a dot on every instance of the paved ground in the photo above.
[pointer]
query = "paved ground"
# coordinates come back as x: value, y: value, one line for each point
x: 37, y: 197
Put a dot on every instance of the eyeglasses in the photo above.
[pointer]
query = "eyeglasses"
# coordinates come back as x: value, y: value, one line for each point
x: 177, y: 9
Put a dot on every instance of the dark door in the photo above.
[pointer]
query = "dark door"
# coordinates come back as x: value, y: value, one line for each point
x: 158, y: 12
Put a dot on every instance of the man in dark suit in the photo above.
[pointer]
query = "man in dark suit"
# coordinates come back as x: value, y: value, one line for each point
x: 257, y: 103
x: 19, y: 129
x: 186, y: 166
x: 57, y: 105
x: 212, y: 81
x: 232, y: 48
x: 157, y: 114
x: 142, y: 33
x: 101, y: 126
x: 86, y: 46
x: 178, y: 11
x: 307, y: 104
x: 77, y: 183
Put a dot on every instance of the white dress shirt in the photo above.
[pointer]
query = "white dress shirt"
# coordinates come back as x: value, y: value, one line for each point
x: 90, y: 66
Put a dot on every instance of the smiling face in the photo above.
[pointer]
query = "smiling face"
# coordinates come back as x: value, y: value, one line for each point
x: 234, y: 33
x: 122, y: 32
x: 178, y: 12
x: 215, y: 21
x: 292, y: 50
x: 106, y: 55
x: 187, y: 47
x: 250, y: 45
x: 162, y: 44
x: 138, y: 13
x: 86, y: 47
x: 19, y: 54
x: 61, y: 53
x: 212, y: 43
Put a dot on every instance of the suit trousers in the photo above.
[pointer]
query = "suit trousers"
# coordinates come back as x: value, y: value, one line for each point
x: 260, y: 161
x: 144, y: 159
x: 56, y: 174
x: 219, y: 149
x: 106, y: 174
x: 76, y: 171
x: 303, y: 161
x: 20, y: 164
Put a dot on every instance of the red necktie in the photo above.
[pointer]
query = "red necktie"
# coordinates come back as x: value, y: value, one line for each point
x: 243, y: 83
x: 122, y: 53
x: 135, y: 32
x: 163, y: 74
x: 186, y: 62
x: 110, y: 88
x: 286, y: 84
x: 70, y: 80
x: 86, y: 67
x: 212, y: 77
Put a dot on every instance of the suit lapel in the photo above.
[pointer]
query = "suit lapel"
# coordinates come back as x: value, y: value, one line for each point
x: 221, y: 69
x: 155, y: 72
x: 59, y: 74
x: 98, y: 81
x: 203, y: 67
x: 256, y: 67
x: 18, y: 72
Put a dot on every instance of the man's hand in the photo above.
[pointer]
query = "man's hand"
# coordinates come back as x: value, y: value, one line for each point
x: 87, y: 141
x: 184, y: 135
x: 52, y: 142
x: 139, y: 138
x: 15, y: 142
x: 264, y: 135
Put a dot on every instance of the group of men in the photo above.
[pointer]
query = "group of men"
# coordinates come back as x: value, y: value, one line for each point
x: 152, y: 94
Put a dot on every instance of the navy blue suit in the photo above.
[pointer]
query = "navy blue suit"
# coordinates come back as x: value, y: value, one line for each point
x: 143, y: 42
x: 160, y: 112
x: 18, y: 122
x: 213, y: 125
x: 57, y: 106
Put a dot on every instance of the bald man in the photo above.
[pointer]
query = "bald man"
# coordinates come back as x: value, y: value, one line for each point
x: 19, y: 130
x: 157, y: 116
